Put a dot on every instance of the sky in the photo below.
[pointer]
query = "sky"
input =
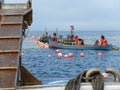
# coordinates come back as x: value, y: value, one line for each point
x: 83, y: 14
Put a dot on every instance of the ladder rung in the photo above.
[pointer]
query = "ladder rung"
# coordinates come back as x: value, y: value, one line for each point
x: 7, y: 88
x: 13, y: 14
x: 9, y: 51
x: 11, y: 23
x: 9, y: 37
x: 7, y: 68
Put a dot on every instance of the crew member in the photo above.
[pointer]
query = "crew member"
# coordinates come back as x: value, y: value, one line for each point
x: 55, y: 38
x: 46, y: 34
x: 96, y: 43
x: 76, y: 40
x: 103, y: 41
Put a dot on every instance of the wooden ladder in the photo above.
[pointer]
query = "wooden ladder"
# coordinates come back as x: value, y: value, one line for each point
x: 10, y: 49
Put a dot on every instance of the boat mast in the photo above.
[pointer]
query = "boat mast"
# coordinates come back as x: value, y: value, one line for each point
x: 45, y: 29
x: 72, y: 29
x: 57, y: 32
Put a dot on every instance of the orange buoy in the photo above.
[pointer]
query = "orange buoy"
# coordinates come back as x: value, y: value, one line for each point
x: 36, y: 42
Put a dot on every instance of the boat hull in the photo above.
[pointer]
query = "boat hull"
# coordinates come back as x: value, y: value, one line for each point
x: 85, y: 47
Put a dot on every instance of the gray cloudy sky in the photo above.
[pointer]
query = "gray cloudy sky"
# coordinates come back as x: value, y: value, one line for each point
x: 83, y: 14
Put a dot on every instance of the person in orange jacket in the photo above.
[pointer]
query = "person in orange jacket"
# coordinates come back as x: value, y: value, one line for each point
x: 55, y: 38
x: 76, y: 40
x: 103, y: 41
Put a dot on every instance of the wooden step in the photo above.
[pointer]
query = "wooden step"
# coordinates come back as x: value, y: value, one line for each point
x: 9, y: 37
x: 12, y: 14
x: 9, y: 51
x: 8, y: 68
x: 16, y: 19
x: 9, y: 58
x: 9, y: 44
x: 11, y: 23
x: 11, y: 30
x: 7, y: 79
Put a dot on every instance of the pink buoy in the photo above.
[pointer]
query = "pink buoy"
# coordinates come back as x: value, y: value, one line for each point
x: 49, y: 55
x: 58, y: 51
x: 22, y: 54
x: 100, y: 54
x: 65, y: 56
x: 70, y: 55
x: 59, y: 55
x: 25, y: 39
x: 105, y: 75
x: 82, y: 54
x: 33, y: 36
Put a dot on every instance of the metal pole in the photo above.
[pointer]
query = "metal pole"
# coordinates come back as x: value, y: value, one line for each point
x: 72, y: 28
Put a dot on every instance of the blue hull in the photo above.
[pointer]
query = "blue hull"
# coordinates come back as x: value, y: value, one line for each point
x: 86, y: 47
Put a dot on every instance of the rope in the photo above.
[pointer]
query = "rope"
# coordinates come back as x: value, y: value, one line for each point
x: 74, y: 84
x: 35, y: 47
x: 97, y: 81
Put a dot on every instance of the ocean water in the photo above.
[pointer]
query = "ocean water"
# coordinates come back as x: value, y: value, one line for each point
x: 52, y: 70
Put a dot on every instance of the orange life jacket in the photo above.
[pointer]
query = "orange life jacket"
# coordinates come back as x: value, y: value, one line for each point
x: 76, y: 41
x: 105, y: 43
x: 102, y: 42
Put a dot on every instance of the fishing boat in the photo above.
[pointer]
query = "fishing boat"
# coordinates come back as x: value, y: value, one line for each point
x: 44, y: 39
x: 71, y: 45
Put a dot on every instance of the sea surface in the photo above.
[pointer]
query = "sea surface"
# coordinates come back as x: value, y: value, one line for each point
x: 53, y: 70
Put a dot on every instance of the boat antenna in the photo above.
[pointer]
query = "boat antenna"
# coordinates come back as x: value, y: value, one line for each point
x: 72, y: 29
x: 57, y: 31
x: 45, y: 29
